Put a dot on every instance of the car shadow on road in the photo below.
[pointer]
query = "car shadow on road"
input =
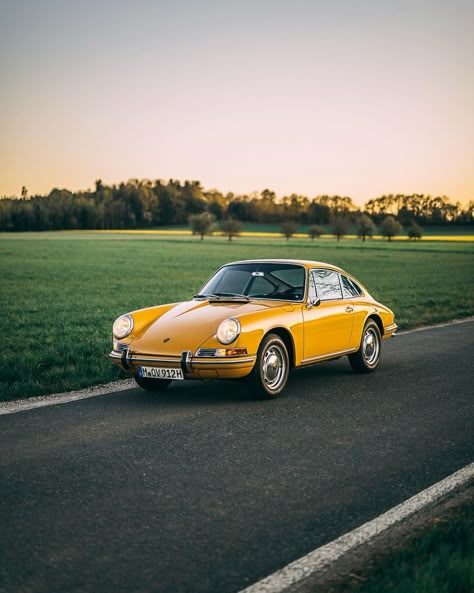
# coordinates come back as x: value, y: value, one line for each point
x: 221, y: 393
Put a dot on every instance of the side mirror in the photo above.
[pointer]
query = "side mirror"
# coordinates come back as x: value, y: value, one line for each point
x: 313, y: 303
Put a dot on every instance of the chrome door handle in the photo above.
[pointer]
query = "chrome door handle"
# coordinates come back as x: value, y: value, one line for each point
x: 349, y: 309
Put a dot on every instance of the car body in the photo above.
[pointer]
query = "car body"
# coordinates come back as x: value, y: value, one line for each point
x: 255, y: 320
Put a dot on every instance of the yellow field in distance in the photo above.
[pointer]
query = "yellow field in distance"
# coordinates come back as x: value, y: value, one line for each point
x: 269, y: 234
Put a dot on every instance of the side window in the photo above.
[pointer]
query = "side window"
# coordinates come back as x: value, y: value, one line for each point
x: 349, y: 288
x: 327, y: 284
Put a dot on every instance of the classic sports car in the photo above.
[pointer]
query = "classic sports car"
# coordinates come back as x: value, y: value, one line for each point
x: 255, y: 319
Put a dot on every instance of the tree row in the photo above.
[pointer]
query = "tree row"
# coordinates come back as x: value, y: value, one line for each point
x: 145, y: 203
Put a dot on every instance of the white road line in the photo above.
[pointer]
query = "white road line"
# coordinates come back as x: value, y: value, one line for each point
x: 21, y: 405
x: 288, y: 577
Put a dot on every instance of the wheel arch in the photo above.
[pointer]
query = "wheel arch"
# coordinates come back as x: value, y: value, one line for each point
x: 378, y: 321
x: 287, y: 338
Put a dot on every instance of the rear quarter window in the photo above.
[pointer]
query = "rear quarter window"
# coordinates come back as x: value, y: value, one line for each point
x: 349, y: 288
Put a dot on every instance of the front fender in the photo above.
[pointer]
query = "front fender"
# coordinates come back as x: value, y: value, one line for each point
x: 143, y: 318
x: 254, y: 326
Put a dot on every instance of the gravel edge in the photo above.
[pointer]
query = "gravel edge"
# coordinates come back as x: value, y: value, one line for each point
x: 41, y: 401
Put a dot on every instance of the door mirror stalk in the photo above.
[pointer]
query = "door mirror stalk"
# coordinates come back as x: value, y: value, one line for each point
x: 313, y: 303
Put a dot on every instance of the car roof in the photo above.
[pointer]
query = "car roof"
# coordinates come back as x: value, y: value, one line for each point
x: 302, y: 262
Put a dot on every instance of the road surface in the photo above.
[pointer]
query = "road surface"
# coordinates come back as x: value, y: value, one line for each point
x: 205, y: 490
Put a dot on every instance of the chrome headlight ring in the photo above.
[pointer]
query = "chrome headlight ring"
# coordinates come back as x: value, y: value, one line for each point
x: 123, y: 326
x: 228, y: 330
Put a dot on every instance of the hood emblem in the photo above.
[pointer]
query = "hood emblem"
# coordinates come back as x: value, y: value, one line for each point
x: 166, y: 340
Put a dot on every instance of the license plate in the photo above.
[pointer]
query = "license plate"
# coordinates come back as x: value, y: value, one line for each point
x: 160, y: 373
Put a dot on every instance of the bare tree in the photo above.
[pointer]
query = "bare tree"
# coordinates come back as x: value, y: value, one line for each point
x: 415, y: 231
x: 315, y: 231
x: 231, y: 227
x: 339, y: 225
x: 365, y: 226
x: 288, y: 228
x: 390, y: 227
x: 202, y: 224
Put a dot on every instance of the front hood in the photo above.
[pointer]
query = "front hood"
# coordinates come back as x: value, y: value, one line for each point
x: 188, y: 325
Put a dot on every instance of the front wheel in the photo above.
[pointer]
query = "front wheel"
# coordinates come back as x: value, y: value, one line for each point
x: 367, y: 358
x: 270, y: 373
x: 152, y: 384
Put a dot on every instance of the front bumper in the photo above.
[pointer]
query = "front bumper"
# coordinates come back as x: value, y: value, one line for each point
x: 193, y: 367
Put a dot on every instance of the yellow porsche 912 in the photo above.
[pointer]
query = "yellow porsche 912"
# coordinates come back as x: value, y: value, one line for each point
x: 255, y: 320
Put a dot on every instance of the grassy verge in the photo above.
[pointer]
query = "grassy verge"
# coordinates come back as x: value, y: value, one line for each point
x: 440, y: 560
x: 60, y: 292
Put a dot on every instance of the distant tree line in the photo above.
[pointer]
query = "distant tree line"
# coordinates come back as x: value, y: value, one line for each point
x: 145, y: 203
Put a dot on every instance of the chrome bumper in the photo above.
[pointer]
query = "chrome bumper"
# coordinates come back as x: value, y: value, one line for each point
x: 187, y: 362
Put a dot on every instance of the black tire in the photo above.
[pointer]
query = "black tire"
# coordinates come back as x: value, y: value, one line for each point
x: 367, y: 358
x: 270, y: 373
x: 153, y: 384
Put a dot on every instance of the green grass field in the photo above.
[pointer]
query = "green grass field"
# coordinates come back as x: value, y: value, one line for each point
x: 60, y: 292
x: 439, y: 560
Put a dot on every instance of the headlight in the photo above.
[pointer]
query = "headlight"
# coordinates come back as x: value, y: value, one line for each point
x: 228, y: 330
x: 123, y: 326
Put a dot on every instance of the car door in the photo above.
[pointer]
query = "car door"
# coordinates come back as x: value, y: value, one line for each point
x: 327, y: 325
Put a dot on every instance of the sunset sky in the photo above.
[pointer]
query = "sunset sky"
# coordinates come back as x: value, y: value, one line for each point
x: 348, y: 97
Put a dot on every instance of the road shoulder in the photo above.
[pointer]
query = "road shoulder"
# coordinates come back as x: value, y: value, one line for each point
x: 331, y: 564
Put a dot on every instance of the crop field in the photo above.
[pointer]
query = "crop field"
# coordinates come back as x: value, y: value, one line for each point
x: 60, y: 292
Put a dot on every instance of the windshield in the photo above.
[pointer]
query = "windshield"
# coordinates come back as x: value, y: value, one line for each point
x: 269, y: 280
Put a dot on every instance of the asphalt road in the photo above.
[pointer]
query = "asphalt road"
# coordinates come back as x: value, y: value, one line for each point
x: 206, y: 490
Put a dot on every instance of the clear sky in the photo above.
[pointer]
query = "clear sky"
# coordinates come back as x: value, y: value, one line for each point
x: 348, y: 97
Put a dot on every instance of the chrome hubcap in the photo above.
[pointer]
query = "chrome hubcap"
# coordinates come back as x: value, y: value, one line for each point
x: 371, y: 346
x: 273, y: 367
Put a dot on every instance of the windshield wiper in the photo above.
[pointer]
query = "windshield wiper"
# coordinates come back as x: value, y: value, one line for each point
x: 231, y: 295
x: 223, y: 296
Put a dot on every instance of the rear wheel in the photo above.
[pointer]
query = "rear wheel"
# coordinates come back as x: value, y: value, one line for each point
x: 367, y: 358
x: 153, y: 384
x: 270, y: 373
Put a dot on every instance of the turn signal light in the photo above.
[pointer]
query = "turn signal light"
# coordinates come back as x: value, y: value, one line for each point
x: 231, y: 351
